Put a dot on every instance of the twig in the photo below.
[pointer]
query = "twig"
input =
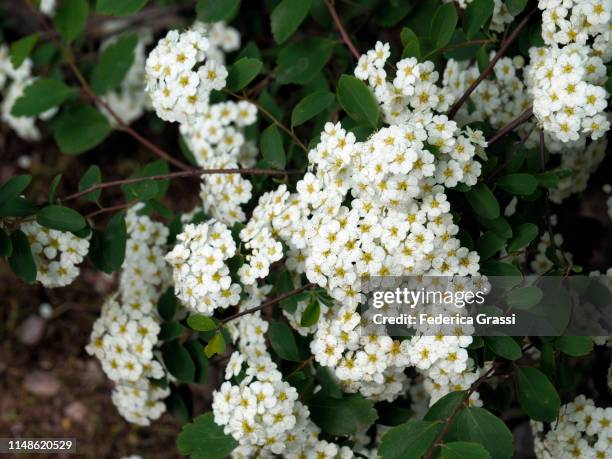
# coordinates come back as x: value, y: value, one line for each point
x: 345, y: 37
x: 104, y: 210
x: 457, y: 45
x: 502, y: 50
x: 271, y: 117
x: 267, y: 304
x: 498, y: 169
x: 189, y: 173
x: 522, y: 118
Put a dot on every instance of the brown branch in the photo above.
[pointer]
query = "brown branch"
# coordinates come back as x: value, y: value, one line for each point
x: 268, y: 303
x: 103, y: 210
x: 502, y: 50
x: 345, y: 37
x: 171, y: 175
x: 498, y: 169
x: 511, y: 126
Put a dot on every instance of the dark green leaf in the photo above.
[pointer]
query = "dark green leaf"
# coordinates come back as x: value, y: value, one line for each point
x: 178, y: 361
x: 358, y: 101
x: 444, y: 407
x: 412, y: 45
x: 13, y: 187
x: 216, y: 10
x: 70, y: 18
x: 547, y: 179
x: 576, y: 346
x: 204, y: 439
x: 53, y: 187
x: 480, y: 426
x: 536, y: 394
x: 114, y: 63
x: 60, y: 218
x: 499, y: 268
x: 6, y: 246
x: 17, y: 207
x: 410, y: 440
x: 196, y: 350
x: 167, y: 304
x: 170, y: 330
x: 201, y: 322
x: 80, y: 128
x: 40, y: 96
x: 242, y: 72
x: 287, y: 17
x: 271, y: 144
x: 114, y: 241
x: 310, y: 106
x: 119, y: 7
x: 523, y: 235
x: 489, y: 244
x: 515, y: 7
x: 301, y: 62
x: 310, y: 316
x: 463, y: 450
x: 21, y: 260
x: 504, y: 346
x: 342, y: 416
x: 476, y: 15
x: 524, y: 297
x: 482, y: 199
x: 91, y: 177
x: 22, y: 48
x: 283, y: 341
x: 443, y: 25
x: 521, y: 184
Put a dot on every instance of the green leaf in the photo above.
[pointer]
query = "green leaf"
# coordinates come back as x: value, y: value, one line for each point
x: 201, y: 322
x: 480, y: 426
x: 342, y: 416
x: 547, y: 179
x: 114, y: 63
x: 6, y: 246
x: 489, y: 244
x: 310, y: 106
x: 358, y: 101
x: 443, y: 25
x: 524, y: 297
x: 499, y: 268
x: 444, y: 407
x: 21, y: 260
x: 482, y: 199
x: 91, y: 177
x: 60, y: 218
x: 242, y: 72
x: 463, y: 450
x: 311, y: 314
x: 70, y: 18
x: 412, y: 44
x: 119, y: 7
x: 410, y: 440
x: 13, y: 187
x: 196, y: 350
x: 205, y: 439
x: 40, y: 96
x: 302, y: 61
x: 287, y: 17
x: 476, y: 15
x: 515, y: 7
x: 216, y: 10
x: 115, y: 241
x: 283, y: 342
x: 17, y: 207
x: 22, y: 48
x: 167, y: 304
x: 504, y: 346
x: 271, y: 145
x: 520, y: 184
x: 523, y: 235
x: 178, y: 361
x: 576, y: 346
x: 536, y: 394
x: 170, y: 330
x: 215, y: 346
x: 80, y: 128
x: 53, y: 187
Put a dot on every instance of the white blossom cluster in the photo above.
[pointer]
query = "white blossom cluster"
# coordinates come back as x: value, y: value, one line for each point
x: 222, y: 39
x: 126, y: 333
x: 56, y: 254
x: 20, y: 78
x: 608, y: 190
x: 260, y: 410
x: 201, y: 277
x: 180, y: 77
x: 583, y: 430
x: 500, y: 17
x: 129, y: 101
x: 47, y: 7
x: 217, y: 141
x: 576, y: 21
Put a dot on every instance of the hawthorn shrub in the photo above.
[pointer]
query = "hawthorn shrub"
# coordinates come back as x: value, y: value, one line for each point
x: 321, y: 143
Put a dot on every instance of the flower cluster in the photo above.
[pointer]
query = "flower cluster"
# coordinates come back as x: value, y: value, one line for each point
x: 575, y: 21
x: 582, y: 430
x: 261, y: 411
x: 217, y: 141
x: 129, y: 101
x: 20, y: 78
x: 221, y: 38
x: 56, y: 254
x: 178, y: 90
x: 201, y: 277
x: 126, y: 333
